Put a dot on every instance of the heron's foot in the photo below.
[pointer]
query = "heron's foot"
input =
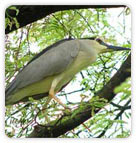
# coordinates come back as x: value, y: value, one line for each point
x: 67, y: 111
x: 52, y: 96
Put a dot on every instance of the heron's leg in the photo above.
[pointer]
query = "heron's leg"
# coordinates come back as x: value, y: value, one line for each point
x: 52, y: 95
x: 52, y: 90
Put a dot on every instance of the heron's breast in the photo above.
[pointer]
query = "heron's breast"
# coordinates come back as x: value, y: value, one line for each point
x: 81, y: 62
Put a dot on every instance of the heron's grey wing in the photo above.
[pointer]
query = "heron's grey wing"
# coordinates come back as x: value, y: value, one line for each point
x: 52, y: 62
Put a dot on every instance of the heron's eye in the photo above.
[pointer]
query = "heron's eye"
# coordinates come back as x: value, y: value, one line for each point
x: 99, y: 40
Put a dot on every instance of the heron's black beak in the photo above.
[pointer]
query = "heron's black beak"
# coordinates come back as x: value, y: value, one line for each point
x: 116, y: 48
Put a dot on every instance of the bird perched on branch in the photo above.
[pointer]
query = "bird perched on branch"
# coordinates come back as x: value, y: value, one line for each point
x: 53, y: 68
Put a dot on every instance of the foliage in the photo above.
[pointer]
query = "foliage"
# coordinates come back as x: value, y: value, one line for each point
x: 23, y: 44
x: 9, y: 20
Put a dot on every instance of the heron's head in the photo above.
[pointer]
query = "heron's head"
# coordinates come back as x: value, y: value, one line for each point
x: 102, y: 47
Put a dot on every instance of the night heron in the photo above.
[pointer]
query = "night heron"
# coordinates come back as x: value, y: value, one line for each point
x: 53, y: 68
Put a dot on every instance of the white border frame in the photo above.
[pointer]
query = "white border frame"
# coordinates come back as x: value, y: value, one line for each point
x: 3, y: 5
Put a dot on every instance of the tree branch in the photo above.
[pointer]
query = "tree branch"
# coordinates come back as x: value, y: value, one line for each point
x: 31, y: 13
x: 80, y: 115
x: 118, y: 115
